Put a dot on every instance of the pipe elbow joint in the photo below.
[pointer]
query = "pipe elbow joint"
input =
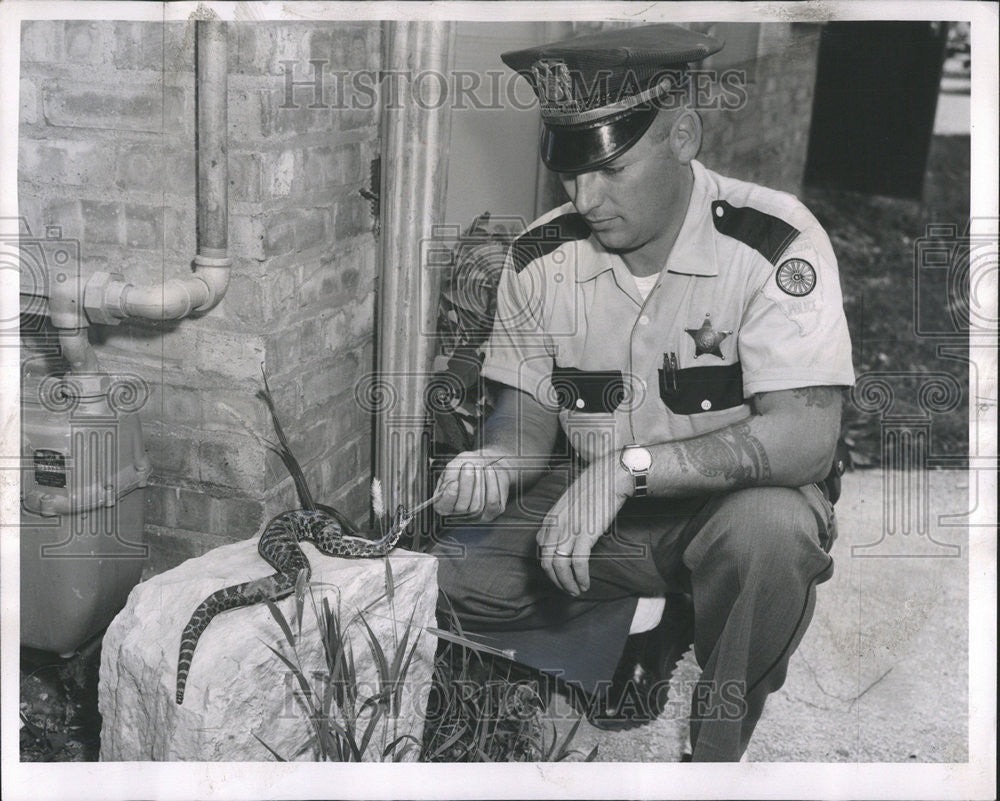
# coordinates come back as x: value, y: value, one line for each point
x: 214, y: 273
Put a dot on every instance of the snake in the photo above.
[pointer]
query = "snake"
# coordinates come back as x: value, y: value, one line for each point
x: 329, y: 531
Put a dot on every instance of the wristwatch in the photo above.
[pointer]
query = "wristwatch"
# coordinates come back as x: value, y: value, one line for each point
x: 637, y: 460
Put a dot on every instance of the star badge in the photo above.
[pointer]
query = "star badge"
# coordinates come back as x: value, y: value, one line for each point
x: 706, y: 339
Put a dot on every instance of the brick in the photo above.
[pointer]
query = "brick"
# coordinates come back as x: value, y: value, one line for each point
x: 240, y: 518
x: 238, y: 466
x: 343, y: 468
x: 101, y: 222
x: 245, y: 299
x: 353, y: 218
x: 249, y: 114
x: 41, y: 40
x: 138, y: 45
x: 319, y: 168
x: 144, y: 227
x: 255, y: 45
x: 170, y: 455
x: 227, y: 353
x: 283, y: 288
x: 320, y: 385
x: 279, y: 235
x: 179, y: 46
x: 248, y: 237
x: 361, y: 318
x: 357, y: 116
x: 310, y: 228
x: 67, y: 162
x: 168, y: 548
x: 28, y: 102
x: 280, y: 170
x: 235, y: 411
x: 244, y: 177
x: 151, y: 168
x: 180, y: 232
x: 83, y: 42
x: 131, y: 107
x: 177, y: 404
x: 154, y: 503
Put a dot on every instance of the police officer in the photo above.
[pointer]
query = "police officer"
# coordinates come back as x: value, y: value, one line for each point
x: 686, y: 333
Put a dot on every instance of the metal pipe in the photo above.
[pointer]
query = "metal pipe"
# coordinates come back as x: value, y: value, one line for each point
x: 108, y: 298
x: 213, y: 175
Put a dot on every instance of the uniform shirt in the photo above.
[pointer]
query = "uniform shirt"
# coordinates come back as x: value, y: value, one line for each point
x: 748, y: 301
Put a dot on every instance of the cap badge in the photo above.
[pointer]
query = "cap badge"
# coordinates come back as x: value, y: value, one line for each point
x: 555, y: 85
x: 706, y: 339
x: 796, y: 277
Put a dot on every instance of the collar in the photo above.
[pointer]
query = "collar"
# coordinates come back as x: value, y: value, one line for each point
x: 693, y: 252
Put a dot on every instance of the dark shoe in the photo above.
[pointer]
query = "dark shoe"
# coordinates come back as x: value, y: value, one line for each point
x: 638, y: 692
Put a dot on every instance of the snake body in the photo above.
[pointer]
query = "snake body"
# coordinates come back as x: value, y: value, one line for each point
x: 330, y: 532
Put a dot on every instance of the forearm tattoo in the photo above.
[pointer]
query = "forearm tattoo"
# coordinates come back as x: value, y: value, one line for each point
x: 733, y: 453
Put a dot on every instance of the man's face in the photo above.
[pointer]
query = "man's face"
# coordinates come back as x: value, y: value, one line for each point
x: 628, y: 202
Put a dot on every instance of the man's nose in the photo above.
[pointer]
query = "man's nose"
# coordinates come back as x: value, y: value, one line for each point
x: 588, y: 194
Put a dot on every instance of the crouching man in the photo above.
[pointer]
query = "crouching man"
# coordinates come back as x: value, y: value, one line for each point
x: 685, y: 330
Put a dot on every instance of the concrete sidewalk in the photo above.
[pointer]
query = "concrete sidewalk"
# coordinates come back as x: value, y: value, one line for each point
x: 882, y: 673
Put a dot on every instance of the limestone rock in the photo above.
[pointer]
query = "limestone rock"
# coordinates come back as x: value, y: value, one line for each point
x: 237, y: 687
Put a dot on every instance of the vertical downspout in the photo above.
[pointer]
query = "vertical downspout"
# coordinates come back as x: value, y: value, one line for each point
x: 212, y: 144
x: 414, y: 184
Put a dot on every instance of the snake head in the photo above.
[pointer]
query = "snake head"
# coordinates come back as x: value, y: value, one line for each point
x: 402, y: 518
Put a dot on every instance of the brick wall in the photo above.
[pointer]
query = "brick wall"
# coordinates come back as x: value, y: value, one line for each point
x: 766, y: 140
x: 107, y: 153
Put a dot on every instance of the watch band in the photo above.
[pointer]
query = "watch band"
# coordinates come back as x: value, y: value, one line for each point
x: 641, y: 489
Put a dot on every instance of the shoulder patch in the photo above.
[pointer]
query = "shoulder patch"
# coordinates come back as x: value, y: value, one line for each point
x: 543, y: 239
x: 765, y: 233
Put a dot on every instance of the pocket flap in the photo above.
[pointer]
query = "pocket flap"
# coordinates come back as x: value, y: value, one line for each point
x: 695, y: 390
x: 595, y: 391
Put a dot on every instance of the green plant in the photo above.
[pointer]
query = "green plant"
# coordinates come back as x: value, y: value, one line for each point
x: 483, y: 707
x: 343, y: 723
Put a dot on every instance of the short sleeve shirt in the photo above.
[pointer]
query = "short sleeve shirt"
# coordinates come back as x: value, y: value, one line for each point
x: 749, y: 301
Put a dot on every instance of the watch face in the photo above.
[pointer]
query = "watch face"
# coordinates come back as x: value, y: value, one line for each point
x: 637, y: 458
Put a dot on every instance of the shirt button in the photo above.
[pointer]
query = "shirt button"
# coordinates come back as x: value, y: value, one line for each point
x: 579, y: 403
x: 706, y: 404
x: 718, y: 211
x: 644, y: 320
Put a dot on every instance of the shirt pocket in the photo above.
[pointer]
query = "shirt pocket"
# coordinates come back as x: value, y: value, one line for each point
x: 588, y: 391
x: 697, y: 390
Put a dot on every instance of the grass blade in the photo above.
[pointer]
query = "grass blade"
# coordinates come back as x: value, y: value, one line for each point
x: 378, y: 654
x: 274, y: 753
x: 282, y: 622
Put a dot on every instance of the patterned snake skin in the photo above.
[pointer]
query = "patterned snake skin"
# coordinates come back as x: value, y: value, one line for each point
x: 332, y: 535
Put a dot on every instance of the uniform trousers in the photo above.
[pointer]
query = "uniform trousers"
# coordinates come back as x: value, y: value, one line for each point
x: 750, y: 559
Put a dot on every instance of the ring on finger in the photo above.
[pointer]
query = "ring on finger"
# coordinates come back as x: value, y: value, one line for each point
x: 557, y: 552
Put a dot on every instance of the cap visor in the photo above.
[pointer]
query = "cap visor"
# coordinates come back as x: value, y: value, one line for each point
x: 575, y: 149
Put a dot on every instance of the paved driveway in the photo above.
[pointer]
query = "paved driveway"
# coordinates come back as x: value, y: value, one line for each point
x: 881, y: 675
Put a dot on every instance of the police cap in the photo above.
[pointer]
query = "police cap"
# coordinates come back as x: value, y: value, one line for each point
x: 599, y: 93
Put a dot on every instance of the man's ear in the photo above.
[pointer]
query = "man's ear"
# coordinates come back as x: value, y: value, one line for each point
x: 685, y: 136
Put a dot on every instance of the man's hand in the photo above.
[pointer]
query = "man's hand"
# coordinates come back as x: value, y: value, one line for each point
x: 577, y: 521
x: 474, y: 484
